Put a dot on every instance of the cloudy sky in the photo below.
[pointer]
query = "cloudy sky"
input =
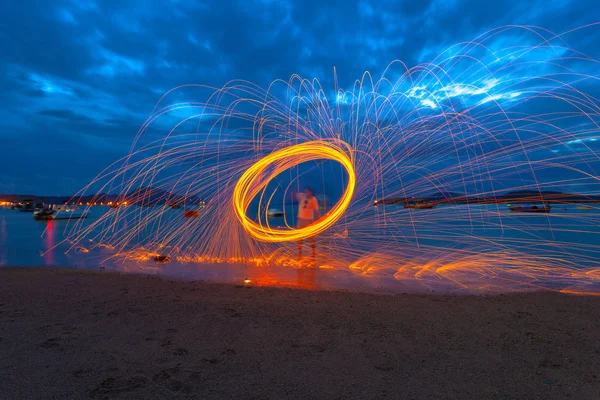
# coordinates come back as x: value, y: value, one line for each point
x: 79, y: 77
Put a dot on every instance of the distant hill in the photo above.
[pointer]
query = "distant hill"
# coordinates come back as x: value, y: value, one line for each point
x: 441, y: 195
x: 532, y: 192
x: 149, y: 196
x: 514, y: 196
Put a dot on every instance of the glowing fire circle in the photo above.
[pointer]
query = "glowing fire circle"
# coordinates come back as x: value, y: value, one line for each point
x: 258, y: 176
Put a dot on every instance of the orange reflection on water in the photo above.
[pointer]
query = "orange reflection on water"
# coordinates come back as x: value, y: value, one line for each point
x: 306, y: 278
x: 486, y: 271
x: 3, y: 241
x: 49, y: 243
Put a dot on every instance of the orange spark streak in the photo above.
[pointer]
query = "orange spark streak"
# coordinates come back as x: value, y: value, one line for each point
x: 254, y: 180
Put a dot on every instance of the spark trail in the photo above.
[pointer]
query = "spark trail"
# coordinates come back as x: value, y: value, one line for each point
x: 515, y: 109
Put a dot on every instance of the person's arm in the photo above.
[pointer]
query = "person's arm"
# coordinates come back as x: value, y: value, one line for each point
x: 296, y: 195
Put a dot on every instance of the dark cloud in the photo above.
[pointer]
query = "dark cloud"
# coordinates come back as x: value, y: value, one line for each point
x: 67, y: 115
x: 88, y: 73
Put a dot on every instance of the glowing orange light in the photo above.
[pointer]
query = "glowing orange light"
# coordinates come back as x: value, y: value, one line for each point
x: 255, y: 179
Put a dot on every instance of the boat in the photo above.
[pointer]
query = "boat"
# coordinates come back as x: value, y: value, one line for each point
x: 531, y: 208
x: 70, y: 212
x: 59, y: 212
x: 191, y: 213
x: 43, y: 214
x: 419, y: 204
x: 274, y: 212
x: 29, y: 206
x: 586, y: 207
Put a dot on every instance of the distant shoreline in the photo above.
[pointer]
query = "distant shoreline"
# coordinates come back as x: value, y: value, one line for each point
x: 514, y: 197
x: 155, y: 197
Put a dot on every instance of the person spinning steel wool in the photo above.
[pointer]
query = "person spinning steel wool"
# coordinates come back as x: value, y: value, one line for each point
x: 308, y: 211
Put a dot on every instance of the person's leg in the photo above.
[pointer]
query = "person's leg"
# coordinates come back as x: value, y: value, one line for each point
x: 302, y: 223
x: 313, y: 243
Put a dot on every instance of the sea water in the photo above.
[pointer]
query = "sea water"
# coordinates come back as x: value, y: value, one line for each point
x: 568, y: 233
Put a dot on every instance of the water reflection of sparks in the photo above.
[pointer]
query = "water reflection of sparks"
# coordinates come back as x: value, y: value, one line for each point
x: 305, y: 279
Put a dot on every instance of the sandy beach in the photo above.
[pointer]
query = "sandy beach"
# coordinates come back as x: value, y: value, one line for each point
x: 76, y: 334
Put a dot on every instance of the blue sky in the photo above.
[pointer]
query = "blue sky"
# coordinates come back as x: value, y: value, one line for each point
x: 80, y: 77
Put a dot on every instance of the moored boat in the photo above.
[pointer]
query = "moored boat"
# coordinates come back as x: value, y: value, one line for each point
x: 59, y: 212
x: 274, y: 212
x: 191, y: 213
x: 70, y: 212
x: 419, y: 204
x: 530, y: 208
x: 586, y: 207
x: 44, y: 214
x: 29, y: 206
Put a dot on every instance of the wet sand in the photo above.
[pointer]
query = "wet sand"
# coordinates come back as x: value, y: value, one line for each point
x: 73, y: 334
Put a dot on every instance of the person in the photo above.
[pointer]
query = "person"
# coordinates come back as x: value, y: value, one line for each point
x: 308, y: 211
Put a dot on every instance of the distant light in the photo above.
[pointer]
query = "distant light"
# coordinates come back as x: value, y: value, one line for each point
x: 247, y: 281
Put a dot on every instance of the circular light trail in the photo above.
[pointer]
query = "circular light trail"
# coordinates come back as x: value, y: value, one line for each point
x: 258, y: 176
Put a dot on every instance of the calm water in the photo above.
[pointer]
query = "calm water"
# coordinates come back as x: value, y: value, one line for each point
x: 568, y: 231
x: 28, y: 243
